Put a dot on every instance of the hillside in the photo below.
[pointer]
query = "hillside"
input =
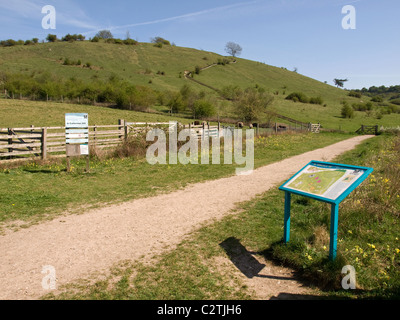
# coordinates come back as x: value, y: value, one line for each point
x: 163, y: 69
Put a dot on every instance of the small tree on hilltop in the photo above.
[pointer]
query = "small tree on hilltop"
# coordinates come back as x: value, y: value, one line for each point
x: 51, y: 38
x: 340, y: 82
x: 233, y: 49
x: 104, y: 34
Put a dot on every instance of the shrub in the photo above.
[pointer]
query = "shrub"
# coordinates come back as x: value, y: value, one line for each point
x: 104, y: 34
x: 396, y: 101
x: 8, y: 43
x: 130, y: 42
x: 362, y: 106
x: 252, y: 103
x: 377, y: 99
x: 67, y: 62
x: 159, y: 40
x: 347, y: 111
x: 51, y: 38
x: 203, y: 109
x: 355, y: 94
x: 176, y: 103
x: 316, y: 100
x: 298, y: 97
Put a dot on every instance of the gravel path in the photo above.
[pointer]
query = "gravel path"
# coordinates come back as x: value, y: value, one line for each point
x: 78, y: 245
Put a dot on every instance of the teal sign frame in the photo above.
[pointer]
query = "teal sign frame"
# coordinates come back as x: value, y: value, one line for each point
x: 327, y: 182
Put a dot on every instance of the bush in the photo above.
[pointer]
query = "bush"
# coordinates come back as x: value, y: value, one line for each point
x: 203, y: 109
x: 355, y: 94
x: 317, y: 100
x: 362, y: 106
x: 298, y: 97
x: 159, y: 40
x: 8, y: 43
x: 104, y: 34
x: 51, y: 38
x: 396, y: 101
x: 347, y: 111
x: 197, y: 70
x: 130, y: 42
x: 176, y: 103
x: 252, y: 103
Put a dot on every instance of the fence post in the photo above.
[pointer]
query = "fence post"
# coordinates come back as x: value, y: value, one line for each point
x: 44, y: 143
x: 126, y: 130
x: 10, y: 141
x: 120, y: 128
x: 94, y: 135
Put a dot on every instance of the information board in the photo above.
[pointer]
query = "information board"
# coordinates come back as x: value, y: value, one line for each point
x: 77, y: 133
x: 325, y: 181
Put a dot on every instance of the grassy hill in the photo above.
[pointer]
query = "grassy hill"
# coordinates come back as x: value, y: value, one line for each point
x: 163, y: 69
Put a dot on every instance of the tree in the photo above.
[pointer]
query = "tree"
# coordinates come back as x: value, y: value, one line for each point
x: 51, y: 38
x: 104, y: 34
x: 252, y: 103
x: 347, y: 111
x: 159, y: 40
x: 233, y: 49
x: 203, y: 109
x: 340, y: 82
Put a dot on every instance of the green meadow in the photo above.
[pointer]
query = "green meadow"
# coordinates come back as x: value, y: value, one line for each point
x: 163, y: 70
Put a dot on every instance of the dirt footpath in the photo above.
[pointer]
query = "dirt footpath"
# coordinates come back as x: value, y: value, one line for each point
x: 78, y: 245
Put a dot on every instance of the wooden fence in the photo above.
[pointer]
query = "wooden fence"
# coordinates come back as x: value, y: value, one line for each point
x: 315, y: 128
x: 41, y: 142
x: 368, y: 130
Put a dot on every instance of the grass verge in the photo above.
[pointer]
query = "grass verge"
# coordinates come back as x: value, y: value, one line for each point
x: 368, y: 240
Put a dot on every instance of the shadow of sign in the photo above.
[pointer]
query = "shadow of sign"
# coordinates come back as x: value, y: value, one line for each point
x: 241, y: 257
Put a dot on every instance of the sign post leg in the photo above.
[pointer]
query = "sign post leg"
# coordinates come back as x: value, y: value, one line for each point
x: 286, y: 235
x: 68, y: 165
x: 334, y: 228
x: 87, y: 164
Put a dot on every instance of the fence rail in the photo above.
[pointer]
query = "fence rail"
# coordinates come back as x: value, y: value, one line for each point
x: 368, y: 130
x: 42, y: 142
x: 33, y: 142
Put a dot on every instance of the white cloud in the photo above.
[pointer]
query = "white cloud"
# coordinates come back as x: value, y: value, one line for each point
x: 184, y: 16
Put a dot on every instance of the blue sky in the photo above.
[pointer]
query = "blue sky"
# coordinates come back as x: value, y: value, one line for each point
x: 302, y: 34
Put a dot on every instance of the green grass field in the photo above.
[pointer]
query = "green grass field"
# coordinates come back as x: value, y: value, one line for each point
x: 368, y: 240
x: 165, y: 68
x: 20, y: 113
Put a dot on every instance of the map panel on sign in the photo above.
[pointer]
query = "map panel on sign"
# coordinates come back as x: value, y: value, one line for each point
x: 324, y: 181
